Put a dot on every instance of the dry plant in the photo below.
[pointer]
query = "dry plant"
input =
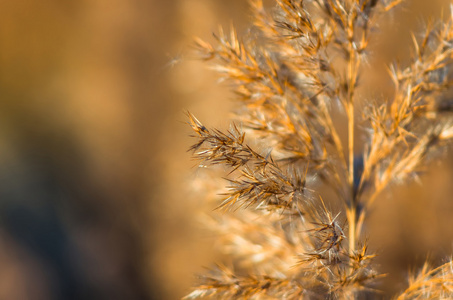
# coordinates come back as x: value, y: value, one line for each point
x: 299, y: 64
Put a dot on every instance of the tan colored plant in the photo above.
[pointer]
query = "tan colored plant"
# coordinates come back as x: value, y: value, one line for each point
x: 303, y: 60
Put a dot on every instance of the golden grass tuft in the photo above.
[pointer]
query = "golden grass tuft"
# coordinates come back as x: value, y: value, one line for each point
x: 298, y: 65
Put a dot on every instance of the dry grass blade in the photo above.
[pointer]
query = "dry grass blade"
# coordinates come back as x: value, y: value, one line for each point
x: 411, y: 127
x: 224, y: 284
x: 430, y: 283
x: 262, y: 183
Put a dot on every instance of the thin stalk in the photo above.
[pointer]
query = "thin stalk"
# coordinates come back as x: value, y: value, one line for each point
x: 352, y: 209
x: 352, y: 216
x: 353, y: 64
x: 352, y: 202
x: 351, y: 146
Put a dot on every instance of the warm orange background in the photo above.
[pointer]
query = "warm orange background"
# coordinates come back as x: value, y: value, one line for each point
x: 97, y: 193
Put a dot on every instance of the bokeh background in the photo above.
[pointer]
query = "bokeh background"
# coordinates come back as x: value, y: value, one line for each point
x: 98, y: 197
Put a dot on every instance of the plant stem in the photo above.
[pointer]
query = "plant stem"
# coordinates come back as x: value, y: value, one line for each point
x: 352, y: 206
x: 350, y: 113
x: 353, y: 63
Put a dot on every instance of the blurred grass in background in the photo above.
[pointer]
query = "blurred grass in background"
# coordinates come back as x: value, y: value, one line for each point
x: 94, y: 176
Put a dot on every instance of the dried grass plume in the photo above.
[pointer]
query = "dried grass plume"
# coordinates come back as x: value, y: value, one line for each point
x: 300, y: 63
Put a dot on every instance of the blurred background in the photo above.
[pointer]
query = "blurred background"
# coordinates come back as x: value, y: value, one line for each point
x: 97, y: 193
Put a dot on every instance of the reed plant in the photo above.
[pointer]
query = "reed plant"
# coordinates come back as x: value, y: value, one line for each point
x: 296, y: 75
